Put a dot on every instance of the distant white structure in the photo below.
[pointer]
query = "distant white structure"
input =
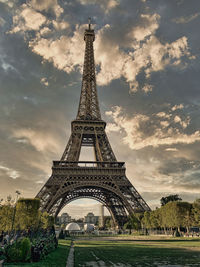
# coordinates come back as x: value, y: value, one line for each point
x: 65, y: 218
x: 101, y: 217
x: 88, y: 227
x: 73, y: 227
x: 91, y: 218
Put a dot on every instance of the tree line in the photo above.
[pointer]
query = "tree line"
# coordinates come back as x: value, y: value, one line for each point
x: 23, y: 215
x: 173, y: 215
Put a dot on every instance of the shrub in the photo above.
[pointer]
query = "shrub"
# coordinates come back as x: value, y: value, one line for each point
x: 25, y: 246
x: 41, y: 246
x: 20, y: 251
x: 14, y: 254
x: 61, y: 235
x: 2, y: 254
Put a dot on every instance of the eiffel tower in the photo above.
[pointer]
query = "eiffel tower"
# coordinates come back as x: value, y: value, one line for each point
x: 103, y: 179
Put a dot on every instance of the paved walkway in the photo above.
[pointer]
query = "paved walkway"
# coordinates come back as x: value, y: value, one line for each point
x: 70, y: 259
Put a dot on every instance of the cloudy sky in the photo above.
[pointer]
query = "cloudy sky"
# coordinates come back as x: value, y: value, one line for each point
x: 148, y: 74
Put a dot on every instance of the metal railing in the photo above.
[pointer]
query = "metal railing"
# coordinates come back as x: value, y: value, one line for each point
x: 88, y: 164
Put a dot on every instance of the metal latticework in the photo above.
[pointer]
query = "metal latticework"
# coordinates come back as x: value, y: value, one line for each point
x: 104, y: 179
x: 89, y: 106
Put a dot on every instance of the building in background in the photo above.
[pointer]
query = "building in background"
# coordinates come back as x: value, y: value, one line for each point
x: 91, y: 218
x: 65, y: 218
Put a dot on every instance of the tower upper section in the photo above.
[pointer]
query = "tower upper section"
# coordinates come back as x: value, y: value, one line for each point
x: 89, y: 105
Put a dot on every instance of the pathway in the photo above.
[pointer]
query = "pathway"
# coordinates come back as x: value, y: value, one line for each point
x: 70, y: 259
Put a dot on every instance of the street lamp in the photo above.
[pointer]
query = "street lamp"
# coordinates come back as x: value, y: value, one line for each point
x: 13, y: 219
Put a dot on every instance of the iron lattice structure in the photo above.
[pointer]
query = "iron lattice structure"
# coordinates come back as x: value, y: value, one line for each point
x: 104, y: 179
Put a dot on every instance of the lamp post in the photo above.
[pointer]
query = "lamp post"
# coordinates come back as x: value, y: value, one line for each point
x: 13, y: 219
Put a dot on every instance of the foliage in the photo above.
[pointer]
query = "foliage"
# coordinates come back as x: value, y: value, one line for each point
x: 61, y: 234
x: 155, y: 218
x: 196, y: 212
x: 46, y: 221
x: 27, y: 213
x: 29, y: 223
x: 2, y: 254
x: 6, y: 217
x: 42, y: 246
x: 165, y: 200
x: 146, y: 221
x: 20, y: 251
x: 109, y: 223
x: 174, y: 214
x: 133, y: 223
x: 25, y: 246
x: 33, y: 249
x: 57, y: 257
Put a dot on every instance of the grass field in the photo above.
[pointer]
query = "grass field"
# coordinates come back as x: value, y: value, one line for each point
x: 137, y: 252
x: 56, y: 258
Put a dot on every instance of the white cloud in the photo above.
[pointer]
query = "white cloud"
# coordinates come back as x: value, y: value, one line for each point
x: 144, y: 51
x: 112, y: 127
x: 164, y: 124
x: 10, y: 172
x: 142, y: 31
x: 147, y: 88
x: 142, y: 131
x: 178, y: 48
x: 171, y: 149
x: 46, y: 5
x: 66, y: 52
x: 29, y: 16
x: 41, y: 141
x: 62, y: 25
x: 27, y: 19
x: 163, y: 115
x: 182, y: 20
x: 183, y: 123
x: 177, y: 107
x: 10, y: 3
x: 111, y: 61
x: 177, y: 119
x: 44, y: 31
x: 44, y: 81
x: 151, y: 55
x: 106, y: 5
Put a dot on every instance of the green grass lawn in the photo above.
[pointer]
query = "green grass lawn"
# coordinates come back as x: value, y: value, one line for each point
x: 138, y: 252
x: 57, y: 258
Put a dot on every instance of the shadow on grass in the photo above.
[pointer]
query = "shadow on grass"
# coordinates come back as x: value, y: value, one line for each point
x: 136, y: 255
x: 158, y: 240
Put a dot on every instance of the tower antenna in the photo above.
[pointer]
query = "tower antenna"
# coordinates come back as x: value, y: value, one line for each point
x: 89, y: 23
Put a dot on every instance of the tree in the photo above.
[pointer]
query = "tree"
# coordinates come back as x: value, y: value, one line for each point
x: 196, y: 212
x: 189, y: 216
x: 165, y: 200
x: 6, y: 214
x: 108, y: 223
x: 155, y: 220
x: 27, y: 213
x: 176, y: 214
x: 46, y: 221
x: 132, y: 223
x: 146, y: 221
